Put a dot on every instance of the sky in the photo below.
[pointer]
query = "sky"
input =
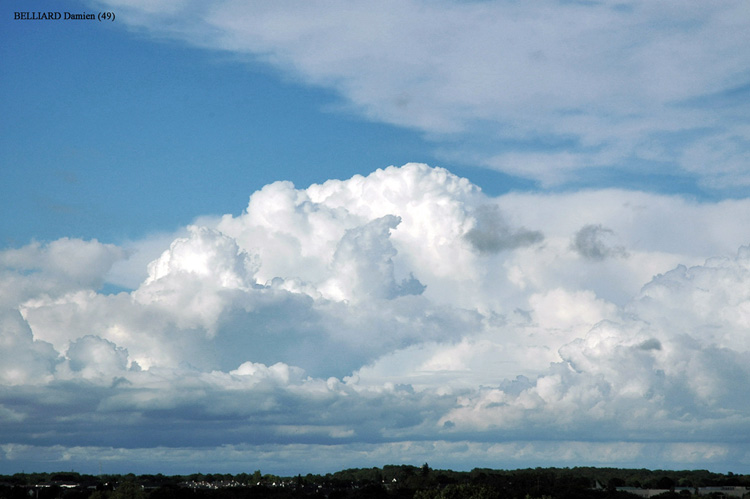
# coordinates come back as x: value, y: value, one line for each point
x: 302, y: 236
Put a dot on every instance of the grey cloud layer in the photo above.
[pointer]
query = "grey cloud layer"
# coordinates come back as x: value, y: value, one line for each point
x: 389, y: 316
x: 590, y: 242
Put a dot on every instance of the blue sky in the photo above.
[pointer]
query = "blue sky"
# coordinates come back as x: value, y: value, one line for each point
x: 95, y: 110
x: 305, y: 236
x: 99, y: 119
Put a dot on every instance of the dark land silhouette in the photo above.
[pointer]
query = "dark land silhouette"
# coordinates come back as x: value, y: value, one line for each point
x: 390, y: 481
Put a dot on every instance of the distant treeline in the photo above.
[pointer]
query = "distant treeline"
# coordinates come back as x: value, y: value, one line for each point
x: 390, y: 481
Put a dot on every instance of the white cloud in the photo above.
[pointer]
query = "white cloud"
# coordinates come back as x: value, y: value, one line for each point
x: 669, y: 365
x: 24, y: 360
x: 132, y: 271
x: 92, y: 356
x: 362, y: 265
x: 196, y: 278
x: 54, y: 268
x: 546, y: 90
x: 405, y: 309
x: 709, y: 301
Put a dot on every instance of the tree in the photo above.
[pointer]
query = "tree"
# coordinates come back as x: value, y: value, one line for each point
x: 665, y: 483
x: 128, y: 488
x: 615, y: 482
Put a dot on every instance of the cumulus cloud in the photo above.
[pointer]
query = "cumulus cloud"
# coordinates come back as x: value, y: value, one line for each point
x: 363, y: 263
x: 673, y: 376
x: 401, y: 310
x: 591, y: 85
x: 196, y: 277
x: 708, y: 301
x: 24, y: 360
x: 55, y: 268
x: 93, y: 356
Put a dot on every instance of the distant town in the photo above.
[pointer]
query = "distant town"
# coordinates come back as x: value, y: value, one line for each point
x: 391, y: 481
